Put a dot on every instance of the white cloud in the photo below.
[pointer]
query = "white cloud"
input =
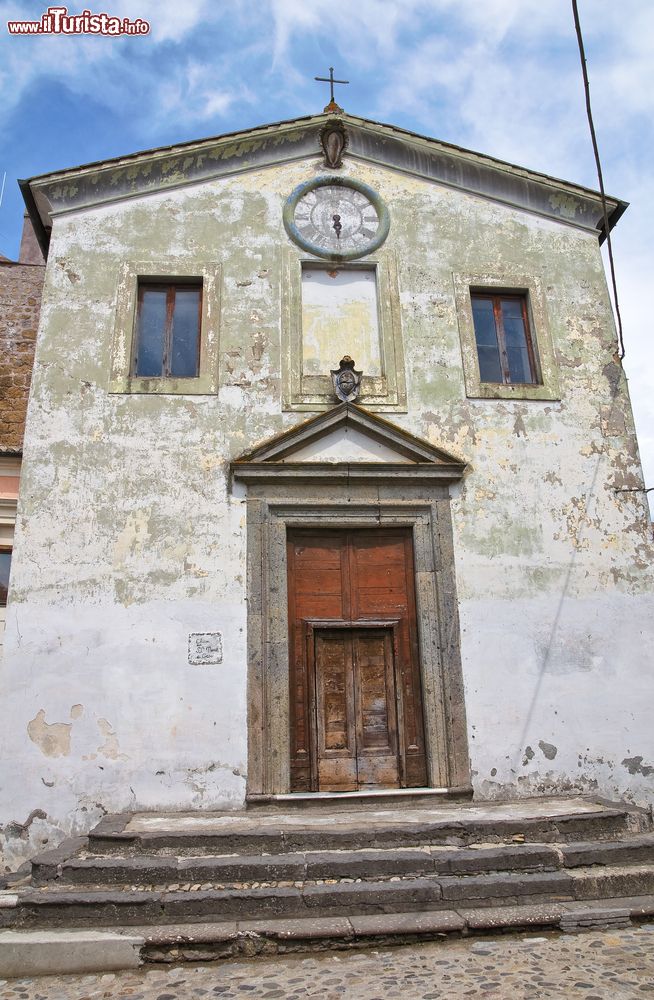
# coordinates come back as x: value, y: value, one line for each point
x: 365, y: 31
x: 169, y: 20
x: 189, y: 92
x: 115, y: 71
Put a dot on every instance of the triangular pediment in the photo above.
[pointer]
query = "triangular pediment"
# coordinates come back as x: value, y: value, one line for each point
x: 347, y: 441
x: 433, y: 160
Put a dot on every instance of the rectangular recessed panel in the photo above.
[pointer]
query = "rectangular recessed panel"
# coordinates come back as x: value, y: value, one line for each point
x: 334, y: 681
x: 375, y: 601
x: 381, y: 552
x: 339, y: 317
x: 373, y: 660
x: 318, y: 580
x: 333, y: 665
x: 331, y: 606
x: 325, y: 552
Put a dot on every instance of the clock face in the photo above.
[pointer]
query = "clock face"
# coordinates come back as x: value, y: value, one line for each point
x: 336, y: 219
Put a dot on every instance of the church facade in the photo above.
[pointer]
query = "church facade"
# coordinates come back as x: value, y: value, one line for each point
x: 330, y: 486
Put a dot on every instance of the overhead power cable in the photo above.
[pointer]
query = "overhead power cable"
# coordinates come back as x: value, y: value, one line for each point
x: 607, y: 229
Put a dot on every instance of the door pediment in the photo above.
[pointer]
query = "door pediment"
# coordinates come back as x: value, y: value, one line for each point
x: 347, y: 443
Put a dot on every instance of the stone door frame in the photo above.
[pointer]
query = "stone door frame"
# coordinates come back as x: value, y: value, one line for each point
x: 409, y: 488
x: 270, y: 513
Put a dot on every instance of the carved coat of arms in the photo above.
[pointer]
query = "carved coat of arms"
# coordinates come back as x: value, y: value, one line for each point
x: 346, y: 381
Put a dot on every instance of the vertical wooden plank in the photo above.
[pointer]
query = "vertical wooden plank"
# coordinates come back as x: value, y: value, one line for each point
x: 376, y: 723
x: 383, y: 584
x: 336, y: 728
x: 316, y: 567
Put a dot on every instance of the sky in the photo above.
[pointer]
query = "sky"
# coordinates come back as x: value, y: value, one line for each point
x: 501, y: 77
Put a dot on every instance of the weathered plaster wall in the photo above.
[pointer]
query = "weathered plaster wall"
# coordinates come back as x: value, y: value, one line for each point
x: 130, y: 536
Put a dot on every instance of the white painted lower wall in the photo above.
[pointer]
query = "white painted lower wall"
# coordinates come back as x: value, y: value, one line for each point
x: 559, y: 695
x: 107, y: 714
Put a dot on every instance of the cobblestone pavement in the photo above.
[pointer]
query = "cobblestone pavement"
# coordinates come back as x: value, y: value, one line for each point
x: 615, y: 965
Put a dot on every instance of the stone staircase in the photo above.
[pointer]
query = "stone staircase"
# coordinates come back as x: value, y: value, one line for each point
x: 170, y: 887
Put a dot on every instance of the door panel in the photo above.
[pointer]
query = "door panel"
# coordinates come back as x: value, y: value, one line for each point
x: 373, y: 665
x: 336, y: 751
x: 355, y: 709
x: 374, y: 686
x: 354, y: 577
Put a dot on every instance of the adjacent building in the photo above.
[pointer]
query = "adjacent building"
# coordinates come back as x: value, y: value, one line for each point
x: 21, y: 283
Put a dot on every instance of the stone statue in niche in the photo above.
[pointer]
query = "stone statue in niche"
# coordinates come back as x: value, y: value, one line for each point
x: 346, y: 381
x: 333, y: 139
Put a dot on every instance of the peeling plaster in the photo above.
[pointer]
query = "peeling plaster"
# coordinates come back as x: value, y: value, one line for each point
x: 635, y: 766
x: 52, y: 739
x: 72, y: 276
x: 548, y: 749
x: 519, y: 428
x: 21, y: 830
x: 110, y: 748
x: 133, y: 537
x: 567, y: 204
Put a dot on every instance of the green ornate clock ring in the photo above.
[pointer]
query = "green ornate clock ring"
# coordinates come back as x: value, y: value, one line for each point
x: 336, y: 218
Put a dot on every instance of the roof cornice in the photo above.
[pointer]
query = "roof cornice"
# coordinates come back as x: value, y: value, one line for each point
x: 138, y: 174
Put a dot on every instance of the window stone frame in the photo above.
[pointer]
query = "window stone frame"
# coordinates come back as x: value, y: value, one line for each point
x: 508, y: 283
x: 171, y: 269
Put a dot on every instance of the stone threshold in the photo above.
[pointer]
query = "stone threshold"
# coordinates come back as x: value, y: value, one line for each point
x: 397, y: 811
x: 361, y: 796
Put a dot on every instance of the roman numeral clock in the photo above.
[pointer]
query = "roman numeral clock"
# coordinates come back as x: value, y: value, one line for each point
x: 336, y: 218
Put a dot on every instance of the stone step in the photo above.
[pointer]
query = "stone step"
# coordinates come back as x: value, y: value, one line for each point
x: 55, y: 906
x: 71, y: 950
x: 632, y: 850
x: 71, y: 863
x: 160, y: 870
x: 290, y: 879
x: 261, y: 832
x: 204, y: 942
x: 97, y: 949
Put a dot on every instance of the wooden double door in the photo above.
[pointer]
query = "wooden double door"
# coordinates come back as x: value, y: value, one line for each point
x: 355, y: 693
